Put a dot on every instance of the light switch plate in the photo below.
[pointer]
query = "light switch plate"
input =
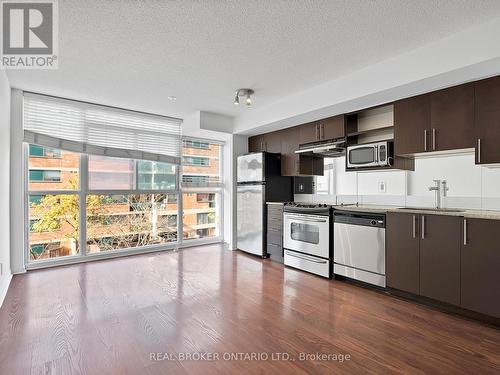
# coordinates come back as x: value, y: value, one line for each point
x: 382, y: 187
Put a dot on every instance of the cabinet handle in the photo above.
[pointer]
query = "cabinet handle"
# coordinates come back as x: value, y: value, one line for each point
x: 433, y: 139
x: 423, y: 227
x: 317, y: 131
x: 465, y: 231
x: 414, y: 226
x: 322, y: 131
x: 425, y: 139
x: 479, y: 150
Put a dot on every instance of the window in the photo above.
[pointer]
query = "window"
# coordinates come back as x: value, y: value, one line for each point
x: 326, y: 184
x: 45, y: 175
x: 206, y: 218
x: 61, y: 173
x: 206, y: 198
x: 44, y: 152
x: 54, y: 221
x: 201, y: 189
x: 196, y: 144
x: 196, y: 160
x: 136, y: 221
x: 156, y: 176
x: 128, y: 203
x: 107, y: 173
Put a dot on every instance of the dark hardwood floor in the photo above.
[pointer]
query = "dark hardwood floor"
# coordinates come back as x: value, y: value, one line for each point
x: 107, y: 317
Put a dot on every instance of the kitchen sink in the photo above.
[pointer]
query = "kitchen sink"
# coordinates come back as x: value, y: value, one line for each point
x: 432, y: 209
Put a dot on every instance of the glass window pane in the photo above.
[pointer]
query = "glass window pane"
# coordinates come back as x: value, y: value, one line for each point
x: 153, y: 175
x: 51, y: 169
x: 106, y: 173
x: 53, y: 223
x: 127, y: 221
x: 200, y: 163
x: 44, y: 152
x: 201, y: 215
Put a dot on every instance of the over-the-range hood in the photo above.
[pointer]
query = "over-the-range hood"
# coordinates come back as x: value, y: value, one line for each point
x: 327, y: 149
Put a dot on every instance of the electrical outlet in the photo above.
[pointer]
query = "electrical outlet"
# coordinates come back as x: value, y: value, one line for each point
x: 382, y: 187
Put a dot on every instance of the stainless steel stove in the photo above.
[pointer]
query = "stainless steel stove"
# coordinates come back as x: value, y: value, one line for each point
x: 307, y: 237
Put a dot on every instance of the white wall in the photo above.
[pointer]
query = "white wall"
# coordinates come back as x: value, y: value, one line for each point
x: 6, y: 274
x: 470, y: 186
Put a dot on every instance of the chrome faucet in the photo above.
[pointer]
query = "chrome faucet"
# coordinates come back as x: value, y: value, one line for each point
x: 437, y: 190
x: 445, y: 187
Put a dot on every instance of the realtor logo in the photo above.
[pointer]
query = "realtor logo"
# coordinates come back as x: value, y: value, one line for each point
x: 29, y: 34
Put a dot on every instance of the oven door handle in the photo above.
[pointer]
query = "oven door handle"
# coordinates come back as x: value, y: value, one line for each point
x: 298, y: 218
x: 306, y: 258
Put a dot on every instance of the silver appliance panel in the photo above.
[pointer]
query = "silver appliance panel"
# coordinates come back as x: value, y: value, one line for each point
x: 250, y: 213
x: 307, y: 263
x: 353, y: 273
x: 250, y: 167
x: 368, y: 155
x: 359, y: 247
x: 307, y: 233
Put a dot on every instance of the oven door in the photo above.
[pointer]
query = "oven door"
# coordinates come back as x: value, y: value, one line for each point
x: 362, y: 156
x: 309, y: 234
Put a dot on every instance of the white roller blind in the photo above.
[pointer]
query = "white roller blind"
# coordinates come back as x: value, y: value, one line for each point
x: 100, y: 130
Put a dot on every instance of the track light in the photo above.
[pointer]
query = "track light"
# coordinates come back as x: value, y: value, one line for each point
x: 245, y: 93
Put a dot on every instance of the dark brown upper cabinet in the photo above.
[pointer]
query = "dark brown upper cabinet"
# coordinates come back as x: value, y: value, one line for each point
x: 272, y: 142
x: 256, y: 143
x: 412, y: 125
x: 269, y: 142
x: 322, y: 130
x: 480, y: 265
x: 332, y: 127
x: 452, y: 118
x: 309, y: 132
x: 440, y: 258
x: 487, y: 120
x: 439, y: 121
x: 403, y: 252
x: 289, y: 144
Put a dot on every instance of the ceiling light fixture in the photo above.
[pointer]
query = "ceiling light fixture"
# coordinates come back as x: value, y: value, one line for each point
x: 245, y: 93
x: 172, y: 98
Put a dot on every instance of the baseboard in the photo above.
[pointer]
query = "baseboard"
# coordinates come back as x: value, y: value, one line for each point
x: 5, y: 288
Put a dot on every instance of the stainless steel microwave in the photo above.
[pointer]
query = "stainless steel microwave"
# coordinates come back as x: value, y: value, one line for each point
x: 376, y: 154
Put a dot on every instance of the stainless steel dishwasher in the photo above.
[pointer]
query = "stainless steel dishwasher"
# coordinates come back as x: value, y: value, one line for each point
x: 359, y: 246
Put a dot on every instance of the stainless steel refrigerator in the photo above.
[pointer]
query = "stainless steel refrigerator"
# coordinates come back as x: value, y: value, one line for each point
x: 259, y: 181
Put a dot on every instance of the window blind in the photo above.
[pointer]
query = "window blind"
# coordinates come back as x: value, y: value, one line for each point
x: 100, y: 130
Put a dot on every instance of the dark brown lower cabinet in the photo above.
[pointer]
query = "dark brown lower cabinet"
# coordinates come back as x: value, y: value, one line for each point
x: 403, y: 252
x: 440, y: 258
x: 480, y: 266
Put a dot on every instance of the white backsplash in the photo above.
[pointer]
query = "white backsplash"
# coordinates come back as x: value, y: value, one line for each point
x: 470, y: 186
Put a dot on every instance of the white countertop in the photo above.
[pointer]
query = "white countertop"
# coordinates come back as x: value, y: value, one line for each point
x: 472, y: 214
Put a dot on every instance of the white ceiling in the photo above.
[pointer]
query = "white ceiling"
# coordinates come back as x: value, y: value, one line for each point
x: 134, y: 54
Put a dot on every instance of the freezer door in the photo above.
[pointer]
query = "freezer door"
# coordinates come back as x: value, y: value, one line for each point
x: 250, y: 218
x: 251, y: 167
